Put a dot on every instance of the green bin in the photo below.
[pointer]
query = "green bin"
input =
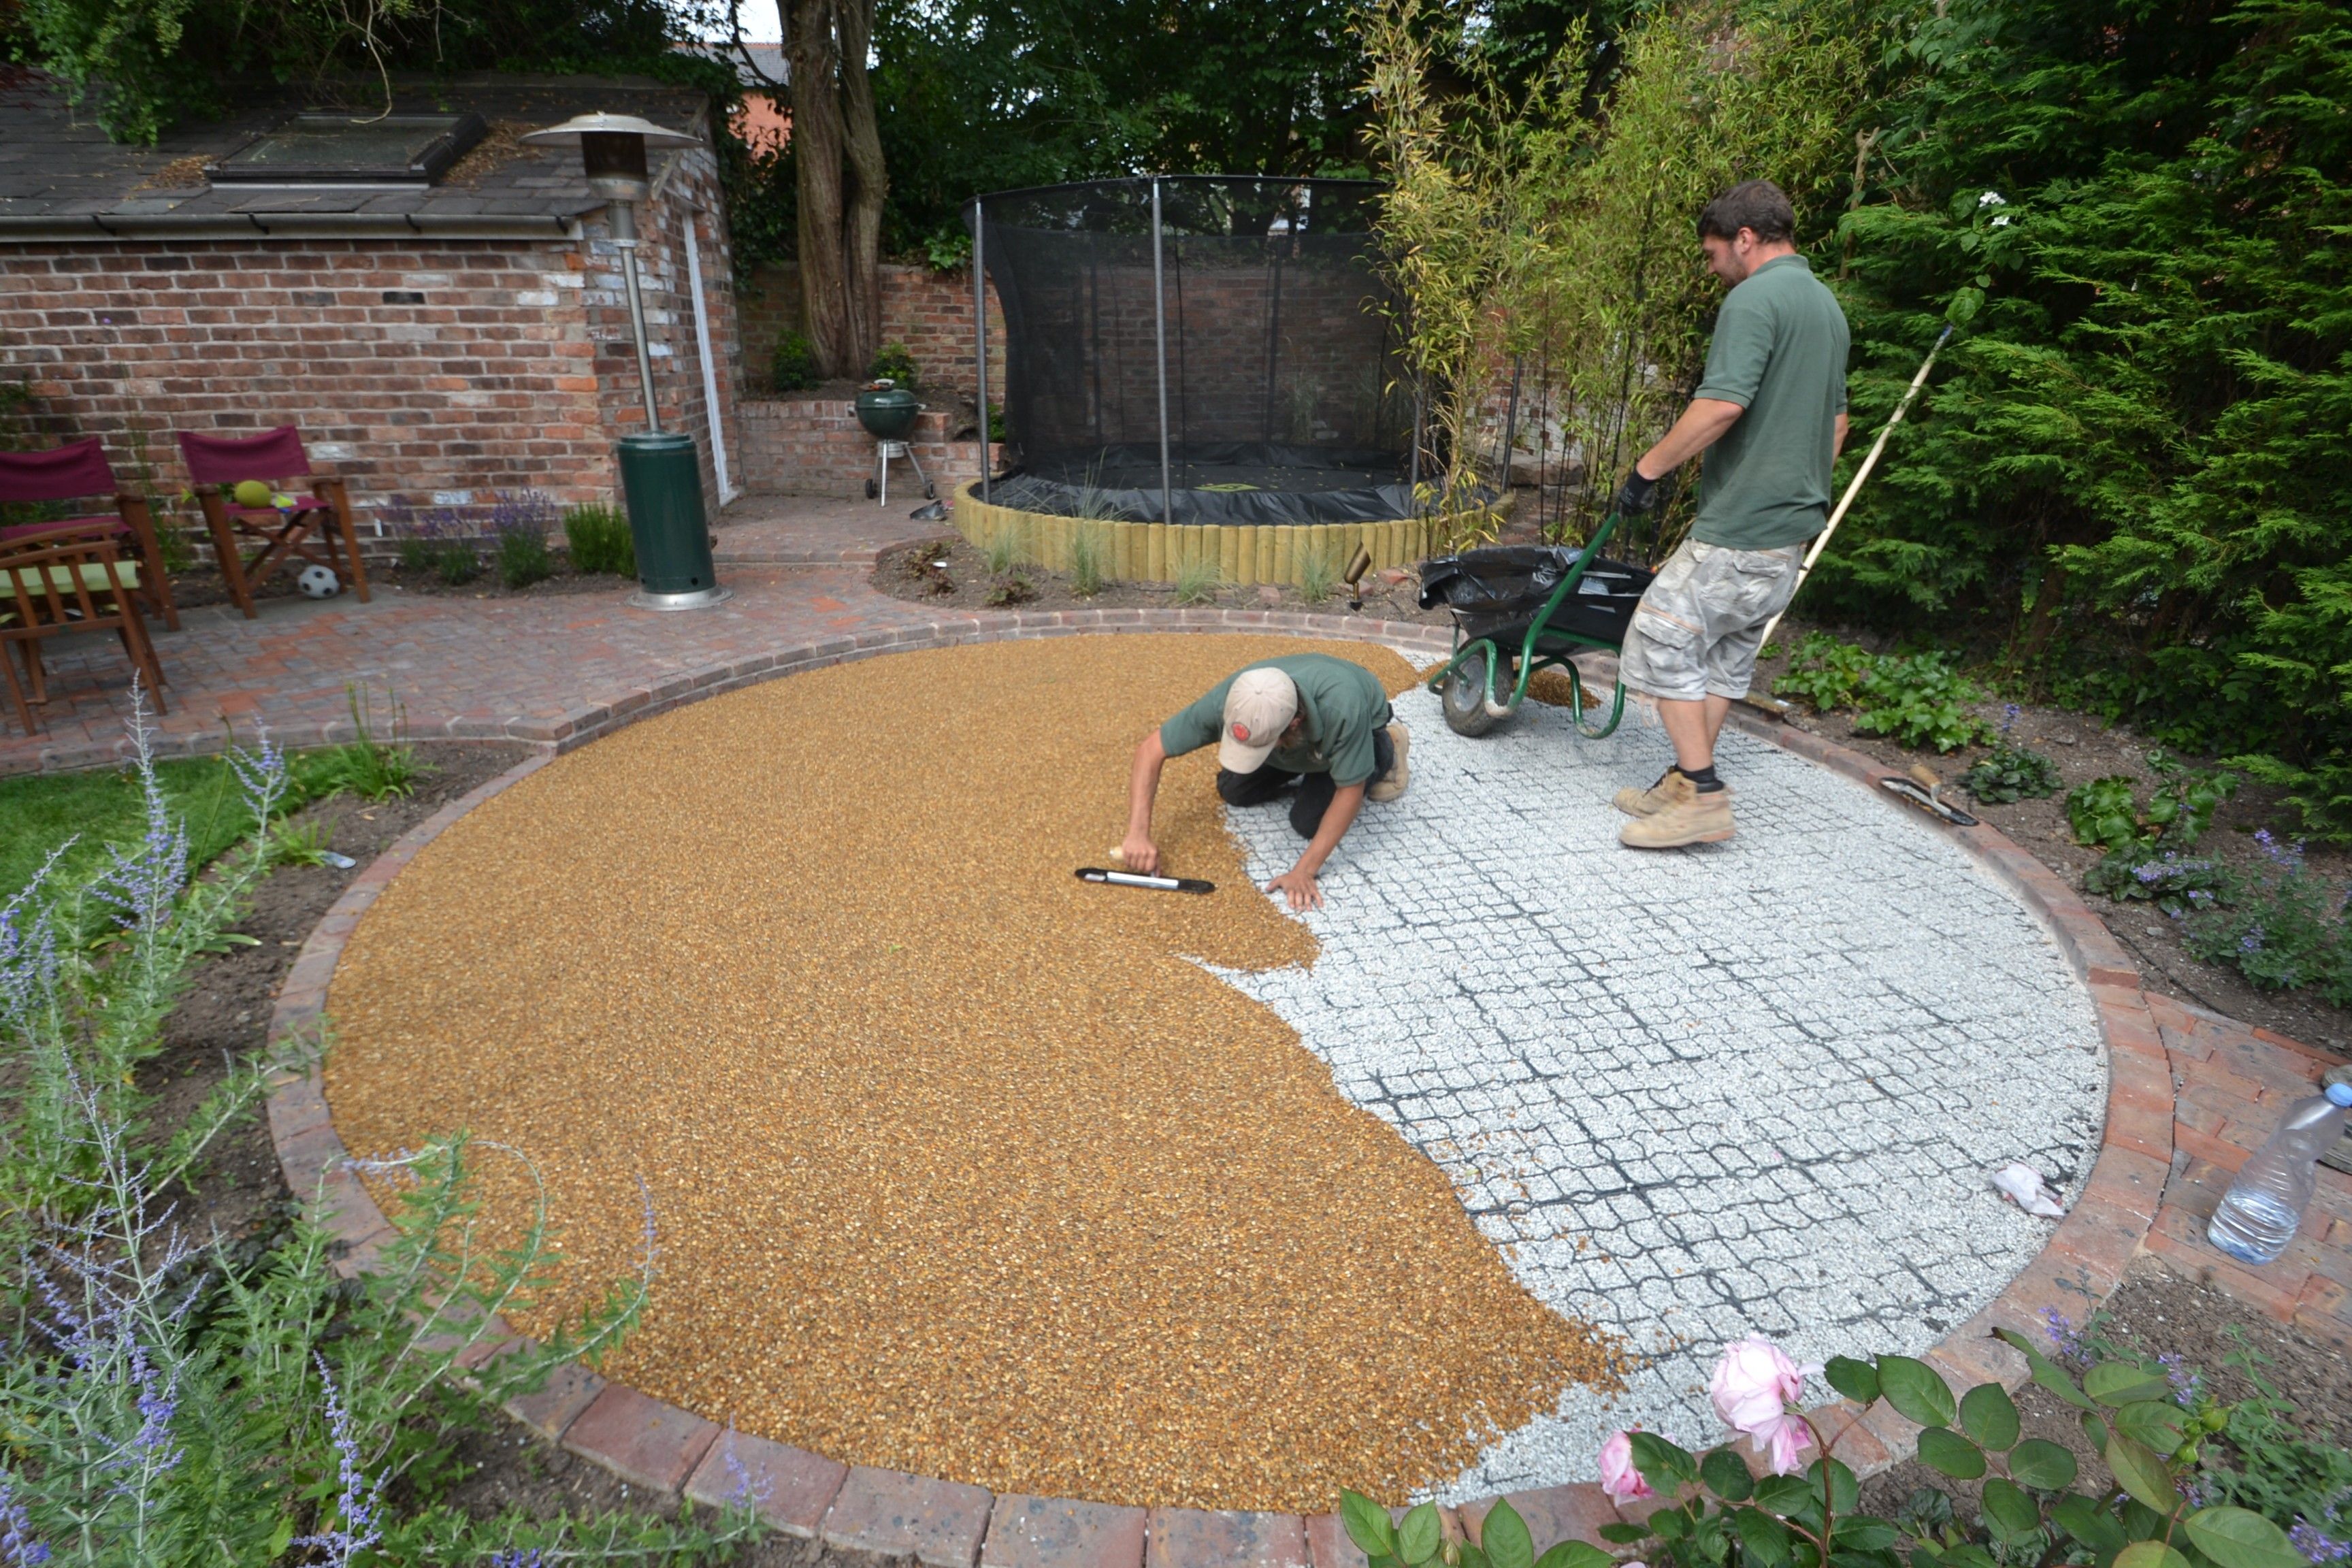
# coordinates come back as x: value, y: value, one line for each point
x: 662, y: 478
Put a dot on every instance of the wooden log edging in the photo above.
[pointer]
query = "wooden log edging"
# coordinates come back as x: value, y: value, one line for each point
x: 1243, y: 554
x: 674, y: 1453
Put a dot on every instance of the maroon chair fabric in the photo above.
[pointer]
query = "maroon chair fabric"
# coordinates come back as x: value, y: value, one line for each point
x: 310, y: 528
x: 70, y: 472
x: 78, y: 468
x: 232, y: 459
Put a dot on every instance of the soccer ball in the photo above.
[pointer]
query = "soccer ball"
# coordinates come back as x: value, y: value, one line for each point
x: 319, y: 583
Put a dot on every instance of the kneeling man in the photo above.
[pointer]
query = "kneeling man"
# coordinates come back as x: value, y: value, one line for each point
x: 1321, y: 723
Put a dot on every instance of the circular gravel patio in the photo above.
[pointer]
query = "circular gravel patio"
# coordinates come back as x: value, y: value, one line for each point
x: 1757, y: 1087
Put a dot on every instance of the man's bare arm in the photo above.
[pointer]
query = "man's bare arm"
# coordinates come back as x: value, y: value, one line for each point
x: 1299, y: 882
x: 1142, y: 785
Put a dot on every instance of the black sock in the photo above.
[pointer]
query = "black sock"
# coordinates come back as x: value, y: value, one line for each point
x: 1703, y: 777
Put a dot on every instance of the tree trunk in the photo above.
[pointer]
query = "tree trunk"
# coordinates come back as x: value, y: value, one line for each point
x: 837, y: 153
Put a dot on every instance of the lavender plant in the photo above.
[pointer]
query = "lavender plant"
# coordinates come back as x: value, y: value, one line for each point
x: 519, y: 525
x: 170, y: 1402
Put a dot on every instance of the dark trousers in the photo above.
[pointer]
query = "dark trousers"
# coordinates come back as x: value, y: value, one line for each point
x: 1315, y: 790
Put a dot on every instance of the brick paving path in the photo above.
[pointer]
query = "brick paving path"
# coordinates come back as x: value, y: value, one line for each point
x: 2190, y: 1092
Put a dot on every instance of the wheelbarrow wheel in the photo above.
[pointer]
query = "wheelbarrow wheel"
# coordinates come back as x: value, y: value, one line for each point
x: 872, y: 490
x: 1464, y: 697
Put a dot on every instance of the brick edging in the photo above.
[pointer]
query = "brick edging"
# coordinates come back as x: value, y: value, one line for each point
x: 951, y: 1524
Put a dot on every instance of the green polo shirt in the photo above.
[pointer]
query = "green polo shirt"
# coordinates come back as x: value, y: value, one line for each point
x: 1779, y: 353
x: 1343, y: 702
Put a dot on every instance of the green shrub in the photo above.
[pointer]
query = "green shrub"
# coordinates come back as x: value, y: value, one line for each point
x: 1001, y: 551
x: 1319, y: 575
x: 599, y: 540
x: 2011, y: 774
x: 523, y: 558
x: 795, y: 366
x: 1826, y: 672
x: 2173, y: 882
x: 1919, y: 700
x: 2152, y: 1425
x: 2106, y: 813
x: 894, y: 362
x: 368, y: 766
x: 2291, y: 931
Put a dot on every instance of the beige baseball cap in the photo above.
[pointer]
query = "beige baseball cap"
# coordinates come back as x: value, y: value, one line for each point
x: 1259, y: 705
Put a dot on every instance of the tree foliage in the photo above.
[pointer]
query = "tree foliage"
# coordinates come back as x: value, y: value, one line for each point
x: 1534, y: 224
x: 144, y: 65
x: 2132, y: 470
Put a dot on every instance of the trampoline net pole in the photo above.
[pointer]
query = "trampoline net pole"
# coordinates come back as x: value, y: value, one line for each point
x: 1159, y: 352
x: 980, y: 343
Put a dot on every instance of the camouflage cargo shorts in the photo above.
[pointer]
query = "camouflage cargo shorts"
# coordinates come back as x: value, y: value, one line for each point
x: 1699, y: 625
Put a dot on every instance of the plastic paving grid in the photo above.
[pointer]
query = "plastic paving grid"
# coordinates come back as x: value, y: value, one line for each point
x: 1757, y: 1088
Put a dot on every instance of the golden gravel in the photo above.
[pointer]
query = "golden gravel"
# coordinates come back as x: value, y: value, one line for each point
x: 960, y: 1167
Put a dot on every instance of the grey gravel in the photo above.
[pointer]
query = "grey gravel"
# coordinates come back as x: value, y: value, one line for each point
x: 1754, y: 1087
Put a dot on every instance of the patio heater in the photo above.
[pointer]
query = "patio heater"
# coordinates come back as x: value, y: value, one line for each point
x: 661, y: 472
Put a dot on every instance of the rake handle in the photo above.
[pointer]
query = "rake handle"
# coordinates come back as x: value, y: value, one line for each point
x: 1854, y: 486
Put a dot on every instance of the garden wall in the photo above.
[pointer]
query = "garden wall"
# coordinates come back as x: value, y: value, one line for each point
x: 929, y: 311
x: 440, y: 371
x: 812, y: 444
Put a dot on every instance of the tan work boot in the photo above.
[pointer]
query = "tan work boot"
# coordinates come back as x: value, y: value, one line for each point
x: 1699, y: 819
x: 1400, y: 776
x: 1671, y: 789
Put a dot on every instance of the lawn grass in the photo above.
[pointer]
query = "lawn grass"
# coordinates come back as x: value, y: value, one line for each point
x: 40, y: 811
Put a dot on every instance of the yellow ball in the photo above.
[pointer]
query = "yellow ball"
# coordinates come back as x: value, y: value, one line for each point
x: 252, y: 492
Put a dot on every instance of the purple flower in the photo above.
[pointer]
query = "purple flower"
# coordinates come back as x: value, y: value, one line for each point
x: 143, y: 885
x: 17, y: 1547
x: 2251, y: 942
x: 2316, y: 1545
x: 357, y: 1508
x: 2009, y: 717
x: 2184, y: 1380
x: 746, y: 1489
x: 517, y: 1557
x: 2064, y: 1338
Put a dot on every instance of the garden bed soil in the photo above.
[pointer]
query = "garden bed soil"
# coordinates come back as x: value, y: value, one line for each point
x: 964, y: 582
x: 2085, y: 748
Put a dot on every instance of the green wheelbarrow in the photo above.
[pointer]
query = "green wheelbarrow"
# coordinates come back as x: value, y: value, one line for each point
x: 1521, y: 608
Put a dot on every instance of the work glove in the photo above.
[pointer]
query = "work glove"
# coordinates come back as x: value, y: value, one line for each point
x: 1638, y: 494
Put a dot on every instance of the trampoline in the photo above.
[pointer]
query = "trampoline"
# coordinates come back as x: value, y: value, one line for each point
x: 1196, y: 351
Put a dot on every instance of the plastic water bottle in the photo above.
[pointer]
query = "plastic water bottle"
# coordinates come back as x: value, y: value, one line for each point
x: 2259, y: 1213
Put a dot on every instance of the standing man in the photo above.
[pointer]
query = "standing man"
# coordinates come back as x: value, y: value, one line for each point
x: 1307, y: 719
x: 1769, y: 413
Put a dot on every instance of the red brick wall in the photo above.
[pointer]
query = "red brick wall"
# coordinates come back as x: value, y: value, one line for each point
x: 514, y: 373
x: 929, y: 311
x: 811, y: 444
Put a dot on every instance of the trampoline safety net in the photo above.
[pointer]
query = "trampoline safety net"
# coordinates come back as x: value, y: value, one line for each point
x: 1284, y: 386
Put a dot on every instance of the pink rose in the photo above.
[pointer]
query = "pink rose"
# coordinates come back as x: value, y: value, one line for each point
x: 1783, y: 1441
x: 1754, y: 1383
x: 1754, y: 1386
x: 1619, y: 1478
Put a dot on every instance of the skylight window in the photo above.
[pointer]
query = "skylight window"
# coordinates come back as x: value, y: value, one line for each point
x: 334, y: 148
